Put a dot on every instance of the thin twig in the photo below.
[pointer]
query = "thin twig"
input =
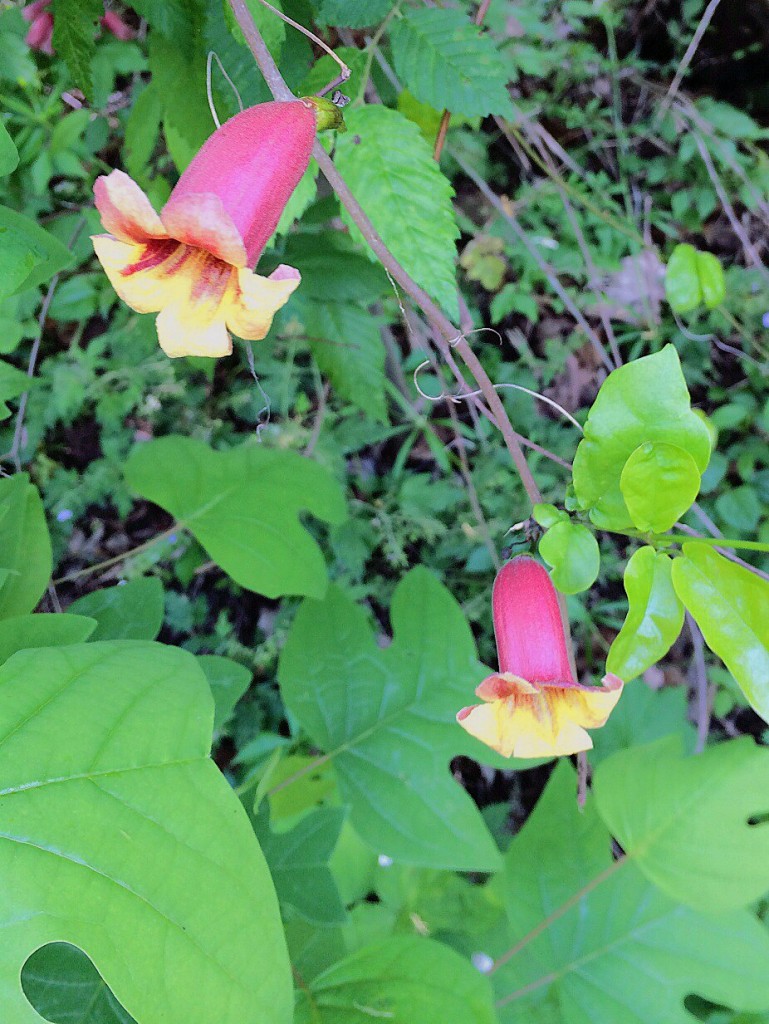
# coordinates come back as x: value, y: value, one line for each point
x: 688, y: 57
x: 344, y: 71
x: 14, y: 453
x: 701, y: 688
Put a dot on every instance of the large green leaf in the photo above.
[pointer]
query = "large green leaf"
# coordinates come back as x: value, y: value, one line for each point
x: 446, y: 62
x: 243, y: 506
x: 119, y: 836
x: 731, y: 606
x: 617, y: 949
x: 654, y: 619
x: 129, y: 611
x: 25, y: 546
x: 685, y: 821
x: 645, y: 400
x: 386, y: 719
x: 64, y: 986
x: 28, y: 254
x: 402, y: 980
x: 21, y: 632
x: 74, y: 34
x: 299, y: 865
x: 390, y: 168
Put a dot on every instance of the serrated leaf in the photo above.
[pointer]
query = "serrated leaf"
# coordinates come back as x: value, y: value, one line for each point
x: 129, y: 611
x: 686, y: 821
x: 299, y: 865
x: 126, y: 841
x: 180, y: 78
x: 29, y: 255
x: 174, y: 19
x: 352, y: 13
x: 74, y: 34
x: 21, y: 632
x: 25, y: 546
x: 659, y: 482
x: 571, y: 550
x: 9, y: 157
x: 731, y: 606
x: 617, y: 949
x: 402, y: 980
x: 390, y: 169
x: 228, y: 680
x: 386, y: 719
x: 654, y: 619
x: 63, y: 986
x: 448, y: 63
x: 242, y: 505
x: 142, y: 131
x: 347, y: 346
x: 646, y: 400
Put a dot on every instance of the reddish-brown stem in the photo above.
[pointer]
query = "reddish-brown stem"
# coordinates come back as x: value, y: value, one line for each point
x: 440, y: 141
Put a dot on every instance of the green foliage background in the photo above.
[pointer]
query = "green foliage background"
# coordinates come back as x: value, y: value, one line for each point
x: 241, y: 602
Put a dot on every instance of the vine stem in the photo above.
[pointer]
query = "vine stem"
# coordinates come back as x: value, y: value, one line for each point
x: 715, y: 542
x: 447, y: 336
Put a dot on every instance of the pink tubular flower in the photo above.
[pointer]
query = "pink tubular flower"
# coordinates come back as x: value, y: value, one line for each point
x: 191, y: 263
x: 533, y: 707
x: 40, y: 35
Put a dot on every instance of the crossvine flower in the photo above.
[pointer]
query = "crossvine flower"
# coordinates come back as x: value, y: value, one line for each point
x: 191, y: 263
x: 533, y: 707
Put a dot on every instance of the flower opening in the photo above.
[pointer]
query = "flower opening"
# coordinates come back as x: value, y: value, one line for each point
x: 533, y: 707
x: 190, y: 263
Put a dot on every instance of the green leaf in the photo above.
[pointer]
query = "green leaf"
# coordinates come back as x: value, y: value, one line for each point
x: 242, y: 506
x: 646, y: 400
x: 386, y: 719
x: 25, y: 547
x: 332, y: 271
x: 402, y: 980
x: 13, y: 383
x: 446, y: 62
x: 654, y: 619
x: 686, y: 821
x: 74, y: 34
x: 9, y: 156
x: 390, y: 169
x: 129, y: 611
x: 642, y: 716
x: 347, y: 346
x: 659, y: 482
x: 125, y: 841
x: 21, y: 632
x: 142, y: 131
x: 731, y: 606
x: 63, y: 985
x: 572, y: 552
x: 694, y: 278
x: 180, y: 78
x: 618, y: 950
x: 299, y: 865
x: 28, y: 254
x: 352, y: 13
x: 712, y: 279
x: 228, y: 680
x: 171, y: 18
